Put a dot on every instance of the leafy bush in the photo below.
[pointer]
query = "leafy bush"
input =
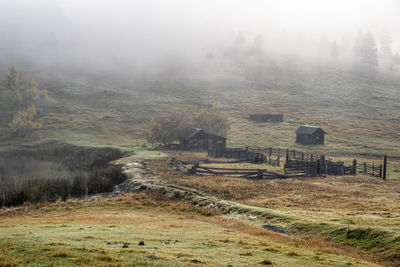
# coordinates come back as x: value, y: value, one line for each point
x: 23, y: 121
x: 17, y: 91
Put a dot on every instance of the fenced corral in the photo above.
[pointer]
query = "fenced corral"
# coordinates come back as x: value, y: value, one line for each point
x: 301, y: 163
x: 372, y: 168
x: 313, y: 168
x: 309, y: 164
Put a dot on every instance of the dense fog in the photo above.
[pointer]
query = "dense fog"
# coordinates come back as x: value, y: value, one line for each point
x: 142, y: 35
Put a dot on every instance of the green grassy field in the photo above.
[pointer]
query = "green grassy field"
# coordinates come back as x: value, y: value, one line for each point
x: 93, y: 233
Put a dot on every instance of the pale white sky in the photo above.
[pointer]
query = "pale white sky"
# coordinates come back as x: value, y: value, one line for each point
x: 141, y: 29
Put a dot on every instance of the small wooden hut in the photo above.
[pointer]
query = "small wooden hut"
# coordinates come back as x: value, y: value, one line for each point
x: 266, y: 117
x: 199, y: 139
x: 310, y: 135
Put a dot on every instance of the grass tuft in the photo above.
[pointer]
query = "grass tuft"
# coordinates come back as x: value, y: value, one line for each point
x: 62, y: 253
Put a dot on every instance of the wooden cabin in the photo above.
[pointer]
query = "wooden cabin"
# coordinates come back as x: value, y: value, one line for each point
x: 266, y: 117
x: 310, y: 135
x: 199, y: 139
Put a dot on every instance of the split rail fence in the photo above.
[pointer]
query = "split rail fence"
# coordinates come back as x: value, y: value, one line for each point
x: 245, y: 173
x: 301, y: 163
x: 311, y: 165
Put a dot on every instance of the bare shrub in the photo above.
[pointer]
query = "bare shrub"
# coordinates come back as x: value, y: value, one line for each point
x: 175, y: 126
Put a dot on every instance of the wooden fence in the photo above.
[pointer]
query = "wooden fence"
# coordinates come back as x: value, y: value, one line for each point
x: 313, y: 168
x: 299, y: 162
x: 372, y: 168
x: 245, y: 173
x: 248, y: 155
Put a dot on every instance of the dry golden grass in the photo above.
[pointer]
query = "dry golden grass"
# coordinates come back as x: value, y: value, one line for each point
x: 360, y: 199
x: 63, y: 253
x: 150, y: 216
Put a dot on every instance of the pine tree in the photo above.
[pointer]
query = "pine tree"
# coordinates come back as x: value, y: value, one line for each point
x: 365, y: 51
x: 369, y: 51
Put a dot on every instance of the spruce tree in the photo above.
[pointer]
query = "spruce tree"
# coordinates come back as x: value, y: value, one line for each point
x: 369, y: 52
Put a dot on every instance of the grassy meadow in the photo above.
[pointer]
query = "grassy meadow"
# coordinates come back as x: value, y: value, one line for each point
x: 93, y: 233
x: 87, y: 112
x: 359, y: 113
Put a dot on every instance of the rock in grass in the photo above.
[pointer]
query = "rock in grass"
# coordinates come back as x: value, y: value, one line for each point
x: 108, y: 243
x: 125, y: 245
x: 141, y: 243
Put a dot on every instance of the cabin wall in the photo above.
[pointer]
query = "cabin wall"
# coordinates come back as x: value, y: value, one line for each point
x: 307, y: 139
x: 205, y: 144
x: 266, y: 117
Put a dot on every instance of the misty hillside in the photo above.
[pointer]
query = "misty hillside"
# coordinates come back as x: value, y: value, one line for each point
x: 117, y: 110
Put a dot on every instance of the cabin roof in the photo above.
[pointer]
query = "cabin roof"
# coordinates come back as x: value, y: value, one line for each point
x: 199, y: 131
x: 196, y: 131
x: 307, y: 129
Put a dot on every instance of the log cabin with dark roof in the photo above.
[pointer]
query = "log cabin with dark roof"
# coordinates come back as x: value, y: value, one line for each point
x: 266, y: 117
x: 310, y: 135
x: 199, y: 139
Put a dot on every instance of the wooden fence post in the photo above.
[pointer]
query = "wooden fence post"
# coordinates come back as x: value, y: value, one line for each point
x: 365, y: 167
x: 354, y: 166
x: 380, y: 171
x: 287, y: 155
x: 270, y: 153
x: 384, y: 167
x: 278, y: 159
x: 373, y: 168
x: 193, y: 170
x: 260, y: 174
x: 318, y: 166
